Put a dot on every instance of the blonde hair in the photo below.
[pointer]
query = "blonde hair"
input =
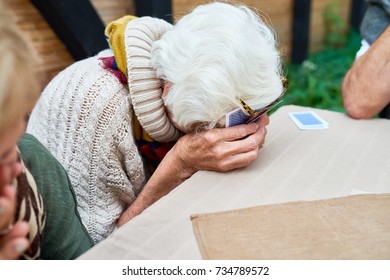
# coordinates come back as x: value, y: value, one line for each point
x: 214, y: 56
x: 19, y: 88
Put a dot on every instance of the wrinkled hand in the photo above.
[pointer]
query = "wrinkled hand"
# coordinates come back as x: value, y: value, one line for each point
x: 14, y: 242
x: 222, y: 149
x: 219, y: 149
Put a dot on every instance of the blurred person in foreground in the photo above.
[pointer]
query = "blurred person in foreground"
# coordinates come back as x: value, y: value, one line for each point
x: 38, y: 212
x: 135, y: 121
x: 366, y: 86
x: 22, y: 216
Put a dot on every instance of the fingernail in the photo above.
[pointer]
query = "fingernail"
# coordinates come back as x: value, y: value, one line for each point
x: 19, y: 248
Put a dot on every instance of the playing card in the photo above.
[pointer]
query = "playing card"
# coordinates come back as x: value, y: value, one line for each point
x: 308, y: 120
x: 238, y: 116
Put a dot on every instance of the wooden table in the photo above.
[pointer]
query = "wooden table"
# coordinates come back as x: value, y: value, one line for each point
x: 350, y: 157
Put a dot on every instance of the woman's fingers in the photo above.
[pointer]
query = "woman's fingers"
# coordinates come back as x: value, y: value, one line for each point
x: 263, y: 121
x: 246, y: 144
x: 7, y: 205
x: 241, y: 131
x: 238, y: 160
x: 235, y: 132
x: 13, y: 241
x: 238, y: 154
x: 250, y: 142
x: 223, y: 149
x: 13, y: 244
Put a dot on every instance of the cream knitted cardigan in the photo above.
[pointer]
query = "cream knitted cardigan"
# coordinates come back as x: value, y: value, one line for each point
x: 84, y: 118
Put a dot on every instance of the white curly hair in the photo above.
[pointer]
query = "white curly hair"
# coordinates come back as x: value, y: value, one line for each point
x: 214, y: 56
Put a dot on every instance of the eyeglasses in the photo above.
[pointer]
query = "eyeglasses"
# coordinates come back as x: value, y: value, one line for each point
x: 256, y: 114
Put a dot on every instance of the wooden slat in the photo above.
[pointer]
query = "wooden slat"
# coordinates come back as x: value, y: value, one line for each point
x: 277, y: 13
x: 112, y: 5
x: 109, y: 15
x: 280, y: 14
x: 55, y: 56
x: 111, y: 10
x: 317, y: 27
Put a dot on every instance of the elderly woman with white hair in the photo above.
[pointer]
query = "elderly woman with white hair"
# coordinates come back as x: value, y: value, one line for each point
x: 135, y: 121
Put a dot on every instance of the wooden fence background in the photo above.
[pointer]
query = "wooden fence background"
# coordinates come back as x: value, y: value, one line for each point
x: 55, y: 57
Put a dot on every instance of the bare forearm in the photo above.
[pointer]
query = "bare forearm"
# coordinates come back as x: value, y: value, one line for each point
x: 366, y: 88
x: 167, y: 176
x: 218, y: 149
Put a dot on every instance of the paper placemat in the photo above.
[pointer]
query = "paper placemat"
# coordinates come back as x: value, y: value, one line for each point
x: 352, y: 227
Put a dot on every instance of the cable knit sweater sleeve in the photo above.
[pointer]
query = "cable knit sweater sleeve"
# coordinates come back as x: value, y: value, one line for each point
x: 84, y: 118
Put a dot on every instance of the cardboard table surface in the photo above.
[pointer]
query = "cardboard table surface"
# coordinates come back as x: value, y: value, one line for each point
x: 349, y: 157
